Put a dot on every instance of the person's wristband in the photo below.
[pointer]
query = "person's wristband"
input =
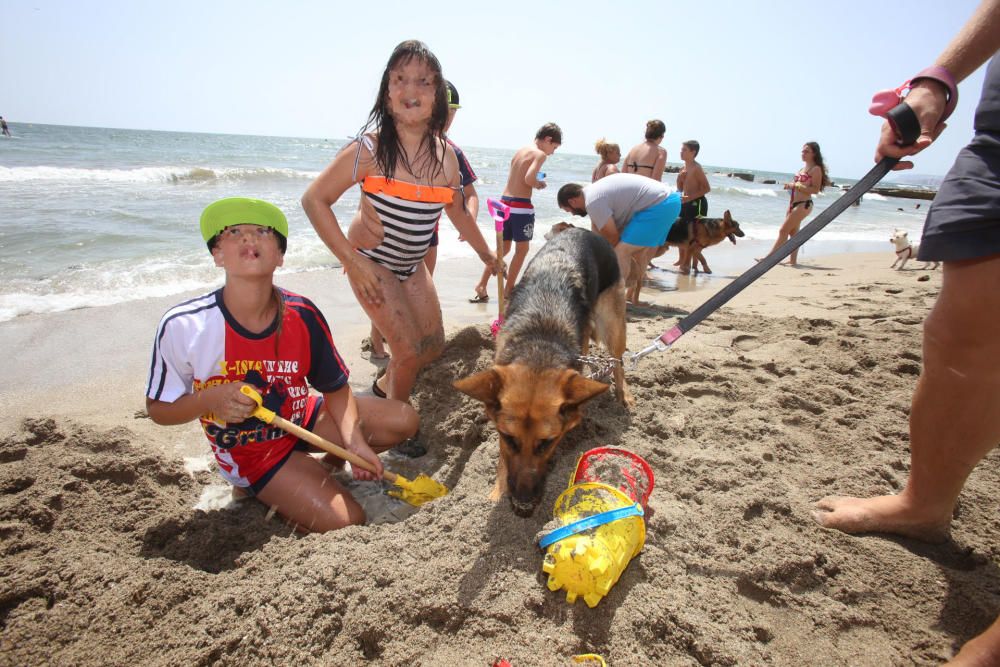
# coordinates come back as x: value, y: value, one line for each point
x: 944, y: 77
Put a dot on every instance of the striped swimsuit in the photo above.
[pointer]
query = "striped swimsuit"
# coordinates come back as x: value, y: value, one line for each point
x: 409, y: 215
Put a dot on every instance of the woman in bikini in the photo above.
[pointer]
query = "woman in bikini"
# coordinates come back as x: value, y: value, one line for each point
x: 648, y: 159
x: 408, y: 175
x: 810, y: 180
x: 610, y: 155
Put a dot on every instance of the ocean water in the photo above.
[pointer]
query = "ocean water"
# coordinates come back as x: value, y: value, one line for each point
x: 94, y: 216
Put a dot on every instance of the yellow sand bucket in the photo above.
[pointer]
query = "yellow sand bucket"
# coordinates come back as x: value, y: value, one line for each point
x: 601, y: 530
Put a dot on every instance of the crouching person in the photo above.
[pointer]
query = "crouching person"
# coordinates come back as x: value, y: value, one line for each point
x: 253, y: 332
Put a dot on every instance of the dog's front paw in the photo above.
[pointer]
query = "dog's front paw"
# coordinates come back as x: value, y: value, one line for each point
x: 626, y: 399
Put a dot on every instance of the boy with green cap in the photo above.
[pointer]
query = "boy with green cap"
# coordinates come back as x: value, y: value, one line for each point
x: 253, y: 332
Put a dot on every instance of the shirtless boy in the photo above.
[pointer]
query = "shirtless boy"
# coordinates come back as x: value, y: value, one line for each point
x: 525, y: 168
x: 692, y: 182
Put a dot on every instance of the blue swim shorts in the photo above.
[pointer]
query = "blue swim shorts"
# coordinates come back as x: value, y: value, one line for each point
x: 649, y: 227
x: 520, y: 226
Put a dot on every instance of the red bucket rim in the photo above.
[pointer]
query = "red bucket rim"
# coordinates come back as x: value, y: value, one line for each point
x: 618, y: 451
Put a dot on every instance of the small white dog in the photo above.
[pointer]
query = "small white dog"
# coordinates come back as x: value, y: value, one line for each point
x: 906, y: 250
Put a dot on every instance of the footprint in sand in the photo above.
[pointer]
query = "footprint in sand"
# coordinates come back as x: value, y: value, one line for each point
x: 746, y: 342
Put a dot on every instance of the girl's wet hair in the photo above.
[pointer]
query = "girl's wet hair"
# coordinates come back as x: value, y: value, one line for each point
x: 605, y: 149
x: 818, y: 159
x: 389, y: 152
x: 655, y: 129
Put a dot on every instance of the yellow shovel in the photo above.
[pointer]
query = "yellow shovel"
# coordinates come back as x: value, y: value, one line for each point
x: 421, y: 490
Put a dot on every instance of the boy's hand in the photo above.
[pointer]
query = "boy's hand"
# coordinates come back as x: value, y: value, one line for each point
x: 229, y: 404
x: 360, y: 447
x: 540, y: 185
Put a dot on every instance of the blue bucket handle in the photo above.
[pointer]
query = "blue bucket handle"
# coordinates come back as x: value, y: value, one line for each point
x: 591, y: 521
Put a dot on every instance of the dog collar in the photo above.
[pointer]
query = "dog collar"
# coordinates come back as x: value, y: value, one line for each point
x: 907, y: 249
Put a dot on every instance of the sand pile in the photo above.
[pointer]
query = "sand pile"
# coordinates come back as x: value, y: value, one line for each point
x: 746, y: 423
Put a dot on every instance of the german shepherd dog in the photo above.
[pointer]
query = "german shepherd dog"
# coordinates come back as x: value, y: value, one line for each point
x: 533, y: 394
x: 693, y: 236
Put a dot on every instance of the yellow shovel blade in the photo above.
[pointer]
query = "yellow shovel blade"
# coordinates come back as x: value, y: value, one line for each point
x: 420, y: 490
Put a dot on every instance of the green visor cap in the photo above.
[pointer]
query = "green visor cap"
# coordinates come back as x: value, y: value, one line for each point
x: 241, y: 211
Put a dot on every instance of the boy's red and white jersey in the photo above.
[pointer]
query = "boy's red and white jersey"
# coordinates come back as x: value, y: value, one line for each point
x: 199, y: 344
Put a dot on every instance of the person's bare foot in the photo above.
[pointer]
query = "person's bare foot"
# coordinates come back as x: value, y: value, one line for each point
x: 980, y: 651
x: 881, y: 514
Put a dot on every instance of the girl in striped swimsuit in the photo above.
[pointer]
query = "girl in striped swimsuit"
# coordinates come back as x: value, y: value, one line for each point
x: 408, y: 176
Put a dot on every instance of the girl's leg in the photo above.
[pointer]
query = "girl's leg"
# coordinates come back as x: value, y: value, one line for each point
x: 378, y: 344
x: 410, y: 320
x: 789, y: 227
x: 303, y: 492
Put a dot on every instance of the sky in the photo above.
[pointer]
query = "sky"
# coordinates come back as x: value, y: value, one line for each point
x: 751, y: 81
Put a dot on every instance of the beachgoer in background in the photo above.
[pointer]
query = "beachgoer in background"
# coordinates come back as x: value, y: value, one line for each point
x: 525, y: 175
x: 693, y: 183
x: 610, y: 155
x: 648, y: 158
x: 470, y: 197
x: 408, y: 174
x: 809, y: 180
x: 4, y: 128
x: 253, y: 332
x: 632, y: 212
x: 470, y: 200
x: 955, y: 412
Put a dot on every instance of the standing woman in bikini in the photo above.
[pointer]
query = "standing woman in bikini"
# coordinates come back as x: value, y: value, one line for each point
x: 408, y: 175
x: 648, y: 159
x: 809, y: 180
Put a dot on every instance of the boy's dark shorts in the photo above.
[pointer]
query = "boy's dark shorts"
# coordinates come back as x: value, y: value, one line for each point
x: 313, y: 408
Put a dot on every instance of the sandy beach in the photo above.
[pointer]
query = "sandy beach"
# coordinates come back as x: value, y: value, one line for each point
x: 797, y: 389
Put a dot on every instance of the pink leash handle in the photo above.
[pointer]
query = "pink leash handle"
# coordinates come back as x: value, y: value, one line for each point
x: 499, y: 212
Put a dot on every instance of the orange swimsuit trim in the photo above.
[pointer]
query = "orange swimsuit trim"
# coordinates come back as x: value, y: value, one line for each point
x: 430, y: 194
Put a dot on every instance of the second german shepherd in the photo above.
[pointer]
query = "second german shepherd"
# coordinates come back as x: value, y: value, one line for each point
x: 533, y: 394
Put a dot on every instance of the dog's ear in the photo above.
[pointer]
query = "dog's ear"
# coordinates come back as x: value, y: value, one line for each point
x: 728, y: 218
x: 577, y: 389
x: 484, y: 386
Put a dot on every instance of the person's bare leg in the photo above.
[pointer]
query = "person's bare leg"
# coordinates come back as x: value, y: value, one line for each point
x: 484, y: 280
x: 980, y: 651
x: 378, y: 343
x: 793, y: 259
x: 638, y: 267
x: 789, y: 227
x: 303, y: 492
x: 516, y: 262
x: 410, y: 319
x: 955, y: 414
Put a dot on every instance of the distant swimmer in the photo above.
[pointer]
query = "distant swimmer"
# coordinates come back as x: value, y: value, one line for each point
x: 647, y: 158
x: 4, y: 128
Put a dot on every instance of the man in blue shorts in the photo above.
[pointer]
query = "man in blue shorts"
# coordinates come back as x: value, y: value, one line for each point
x: 632, y: 212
